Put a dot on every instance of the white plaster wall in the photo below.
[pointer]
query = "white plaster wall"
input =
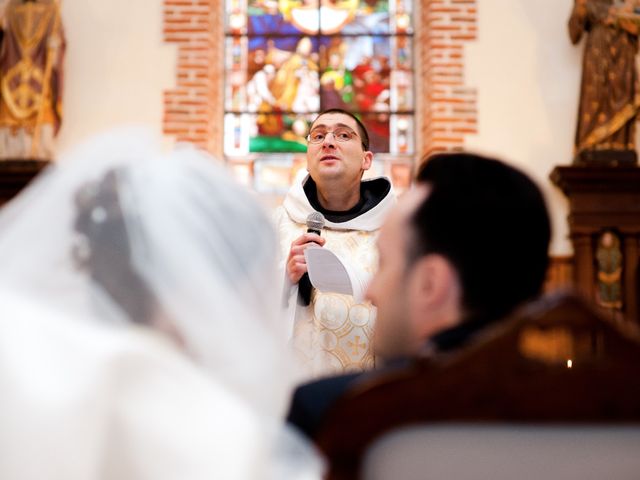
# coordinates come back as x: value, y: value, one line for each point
x: 116, y: 67
x: 527, y: 74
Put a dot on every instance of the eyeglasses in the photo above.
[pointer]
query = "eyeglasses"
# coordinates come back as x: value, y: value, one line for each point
x: 341, y: 134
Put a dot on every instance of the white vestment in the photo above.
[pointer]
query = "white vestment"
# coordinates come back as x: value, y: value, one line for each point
x: 333, y: 334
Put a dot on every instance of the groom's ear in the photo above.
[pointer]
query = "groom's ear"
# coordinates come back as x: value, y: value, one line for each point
x: 436, y: 295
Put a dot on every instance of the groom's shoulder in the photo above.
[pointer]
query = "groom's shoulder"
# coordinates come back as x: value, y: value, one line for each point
x: 312, y: 400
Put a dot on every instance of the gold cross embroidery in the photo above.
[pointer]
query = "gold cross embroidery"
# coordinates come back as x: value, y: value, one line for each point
x: 356, y: 345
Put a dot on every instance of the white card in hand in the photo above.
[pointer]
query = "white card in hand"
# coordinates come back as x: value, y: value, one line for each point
x: 329, y: 273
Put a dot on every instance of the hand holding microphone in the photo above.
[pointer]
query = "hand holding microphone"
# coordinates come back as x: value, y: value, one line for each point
x: 315, y: 222
x: 296, y: 263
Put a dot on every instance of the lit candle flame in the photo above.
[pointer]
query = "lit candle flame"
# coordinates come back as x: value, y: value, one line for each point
x: 569, y: 363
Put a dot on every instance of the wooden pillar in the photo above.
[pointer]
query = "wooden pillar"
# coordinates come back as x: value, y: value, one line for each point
x: 631, y: 282
x: 584, y: 271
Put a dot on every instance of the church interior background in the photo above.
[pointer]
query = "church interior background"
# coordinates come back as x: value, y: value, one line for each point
x: 242, y: 79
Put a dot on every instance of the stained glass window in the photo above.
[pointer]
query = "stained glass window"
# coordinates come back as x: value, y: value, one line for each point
x: 287, y: 60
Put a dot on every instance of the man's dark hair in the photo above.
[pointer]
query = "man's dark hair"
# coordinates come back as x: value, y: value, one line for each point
x: 362, y: 131
x: 491, y: 222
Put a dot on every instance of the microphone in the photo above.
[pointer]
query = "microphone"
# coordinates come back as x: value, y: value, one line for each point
x: 315, y: 223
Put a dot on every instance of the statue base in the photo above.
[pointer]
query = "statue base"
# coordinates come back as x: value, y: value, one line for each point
x: 604, y: 158
x: 604, y: 198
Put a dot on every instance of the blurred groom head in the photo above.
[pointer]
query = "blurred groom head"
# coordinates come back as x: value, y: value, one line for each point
x: 467, y: 244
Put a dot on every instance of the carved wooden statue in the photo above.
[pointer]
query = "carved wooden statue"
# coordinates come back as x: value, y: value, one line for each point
x: 609, y: 101
x: 30, y: 79
x: 609, y: 259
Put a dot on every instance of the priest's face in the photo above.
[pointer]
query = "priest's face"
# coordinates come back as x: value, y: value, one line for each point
x: 340, y: 154
x: 396, y: 332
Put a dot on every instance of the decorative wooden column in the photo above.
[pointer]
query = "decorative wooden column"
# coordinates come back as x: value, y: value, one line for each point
x: 604, y: 198
x: 15, y: 175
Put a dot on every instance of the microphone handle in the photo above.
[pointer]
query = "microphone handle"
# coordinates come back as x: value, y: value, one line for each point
x: 304, y: 285
x: 304, y: 290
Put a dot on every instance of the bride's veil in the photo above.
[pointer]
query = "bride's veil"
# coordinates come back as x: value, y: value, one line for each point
x: 119, y: 232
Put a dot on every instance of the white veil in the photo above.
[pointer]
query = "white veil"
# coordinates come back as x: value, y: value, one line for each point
x: 119, y: 232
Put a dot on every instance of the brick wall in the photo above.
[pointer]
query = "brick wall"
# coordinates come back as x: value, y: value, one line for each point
x: 445, y: 107
x: 193, y: 110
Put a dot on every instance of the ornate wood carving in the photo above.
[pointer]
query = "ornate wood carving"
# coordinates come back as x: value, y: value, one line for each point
x: 604, y: 198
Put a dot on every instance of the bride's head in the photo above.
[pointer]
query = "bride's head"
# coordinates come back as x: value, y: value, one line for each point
x: 103, y: 250
x: 166, y: 241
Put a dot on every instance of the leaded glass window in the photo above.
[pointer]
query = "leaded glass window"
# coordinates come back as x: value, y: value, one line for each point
x: 287, y: 60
